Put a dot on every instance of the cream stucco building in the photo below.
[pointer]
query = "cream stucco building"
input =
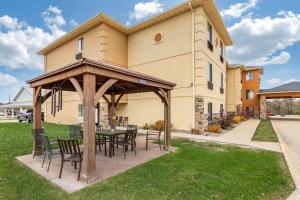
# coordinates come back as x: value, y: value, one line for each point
x: 184, y: 45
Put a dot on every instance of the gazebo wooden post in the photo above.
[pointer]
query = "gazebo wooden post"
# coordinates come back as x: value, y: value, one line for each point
x: 37, y: 119
x: 167, y: 118
x: 89, y: 157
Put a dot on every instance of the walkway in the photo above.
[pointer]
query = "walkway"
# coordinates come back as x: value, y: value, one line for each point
x: 241, y: 136
x: 289, y: 138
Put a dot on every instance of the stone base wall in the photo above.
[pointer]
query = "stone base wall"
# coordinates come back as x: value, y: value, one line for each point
x: 263, y: 107
x: 104, y: 113
x: 201, y: 122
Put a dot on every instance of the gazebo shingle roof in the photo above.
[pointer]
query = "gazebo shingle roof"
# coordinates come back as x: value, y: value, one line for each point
x: 288, y: 87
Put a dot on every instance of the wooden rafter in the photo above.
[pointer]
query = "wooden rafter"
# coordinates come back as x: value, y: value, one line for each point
x: 106, y: 99
x: 164, y: 94
x: 103, y: 89
x: 46, y: 96
x: 37, y: 94
x: 78, y: 88
x: 119, y: 98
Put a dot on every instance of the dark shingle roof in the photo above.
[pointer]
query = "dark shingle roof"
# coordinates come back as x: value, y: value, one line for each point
x: 288, y: 87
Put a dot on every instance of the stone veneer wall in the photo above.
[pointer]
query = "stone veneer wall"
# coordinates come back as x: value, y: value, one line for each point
x: 263, y: 107
x: 104, y: 113
x: 200, y: 118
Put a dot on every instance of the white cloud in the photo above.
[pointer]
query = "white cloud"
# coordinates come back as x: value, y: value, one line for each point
x: 7, y: 80
x: 258, y: 41
x: 54, y: 20
x: 19, y: 42
x: 274, y: 81
x: 143, y: 10
x: 237, y: 10
x: 73, y: 23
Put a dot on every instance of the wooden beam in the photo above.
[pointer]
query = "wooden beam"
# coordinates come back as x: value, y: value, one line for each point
x: 103, y: 89
x: 164, y: 94
x: 121, y: 87
x: 89, y: 156
x: 78, y: 88
x: 46, y: 96
x: 37, y: 94
x: 112, y: 111
x: 159, y: 95
x: 106, y: 99
x: 118, y: 100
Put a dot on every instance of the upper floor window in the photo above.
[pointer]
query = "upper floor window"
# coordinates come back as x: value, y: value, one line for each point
x: 80, y: 44
x: 209, y: 36
x: 249, y: 76
x: 221, y: 52
x: 210, y: 75
x: 249, y: 94
x: 222, y: 80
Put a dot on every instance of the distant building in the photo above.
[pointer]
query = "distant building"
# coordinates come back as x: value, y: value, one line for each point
x: 23, y: 100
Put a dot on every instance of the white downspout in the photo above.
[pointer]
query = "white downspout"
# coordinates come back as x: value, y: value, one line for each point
x: 193, y: 61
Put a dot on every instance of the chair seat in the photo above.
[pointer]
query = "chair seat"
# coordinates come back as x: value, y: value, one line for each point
x: 75, y: 158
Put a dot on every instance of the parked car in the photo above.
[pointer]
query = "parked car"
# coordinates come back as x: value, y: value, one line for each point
x: 27, y: 115
x: 24, y: 116
x: 269, y: 113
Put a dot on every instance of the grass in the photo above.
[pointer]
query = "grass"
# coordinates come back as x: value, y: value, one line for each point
x: 194, y: 171
x: 265, y: 132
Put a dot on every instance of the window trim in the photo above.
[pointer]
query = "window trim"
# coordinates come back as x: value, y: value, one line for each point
x: 210, y: 111
x: 247, y: 96
x: 249, y: 78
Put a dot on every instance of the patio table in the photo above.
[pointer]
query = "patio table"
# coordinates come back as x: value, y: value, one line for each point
x: 111, y: 135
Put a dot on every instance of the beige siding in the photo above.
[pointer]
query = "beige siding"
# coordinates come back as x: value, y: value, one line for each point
x: 234, y: 89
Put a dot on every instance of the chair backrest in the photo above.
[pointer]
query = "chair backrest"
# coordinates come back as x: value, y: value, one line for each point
x: 36, y: 133
x: 131, y: 134
x: 69, y: 147
x: 99, y: 127
x: 46, y: 144
x: 120, y: 119
x: 125, y: 118
x: 131, y: 127
x: 75, y: 132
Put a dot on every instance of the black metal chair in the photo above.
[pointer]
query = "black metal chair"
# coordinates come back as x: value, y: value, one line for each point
x: 120, y: 121
x: 128, y: 140
x: 70, y: 152
x: 125, y: 121
x: 75, y: 133
x: 47, y: 149
x: 153, y: 136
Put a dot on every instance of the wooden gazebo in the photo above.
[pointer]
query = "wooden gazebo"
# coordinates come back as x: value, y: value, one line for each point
x: 93, y: 80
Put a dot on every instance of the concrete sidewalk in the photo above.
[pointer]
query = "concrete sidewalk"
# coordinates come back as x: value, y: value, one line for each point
x: 240, y: 135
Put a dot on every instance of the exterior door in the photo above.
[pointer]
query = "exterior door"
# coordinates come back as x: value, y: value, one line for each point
x: 250, y: 111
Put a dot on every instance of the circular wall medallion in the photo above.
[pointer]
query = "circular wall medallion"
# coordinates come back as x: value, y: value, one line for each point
x: 157, y: 37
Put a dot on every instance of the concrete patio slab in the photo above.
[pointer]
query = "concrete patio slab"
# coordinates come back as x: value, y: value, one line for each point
x: 106, y: 167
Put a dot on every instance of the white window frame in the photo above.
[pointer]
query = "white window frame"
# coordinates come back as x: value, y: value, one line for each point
x: 210, y: 72
x: 80, y: 44
x: 250, y: 76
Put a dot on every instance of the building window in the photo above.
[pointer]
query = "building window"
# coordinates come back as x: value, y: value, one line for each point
x: 209, y: 36
x: 209, y: 111
x: 249, y: 76
x: 80, y: 110
x: 210, y: 77
x: 80, y: 44
x: 222, y: 84
x: 221, y: 52
x: 249, y: 94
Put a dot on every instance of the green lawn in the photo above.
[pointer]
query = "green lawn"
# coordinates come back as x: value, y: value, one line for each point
x: 194, y: 171
x: 265, y: 132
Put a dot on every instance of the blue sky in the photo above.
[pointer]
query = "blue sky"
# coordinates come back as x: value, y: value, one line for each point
x: 264, y: 32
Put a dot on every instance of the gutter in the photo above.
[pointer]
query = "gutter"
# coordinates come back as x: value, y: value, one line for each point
x: 193, y: 61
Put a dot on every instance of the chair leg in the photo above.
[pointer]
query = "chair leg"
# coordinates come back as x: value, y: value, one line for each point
x: 159, y: 143
x: 75, y: 165
x: 49, y: 163
x: 44, y: 159
x: 124, y: 151
x: 105, y: 148
x: 61, y: 167
x: 79, y: 171
x: 146, y: 143
x: 134, y: 147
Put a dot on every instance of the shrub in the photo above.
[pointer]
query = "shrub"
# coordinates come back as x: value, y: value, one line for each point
x: 146, y: 126
x: 214, y: 128
x: 158, y: 125
x: 225, y: 123
x: 243, y: 118
x: 195, y: 131
x: 236, y: 119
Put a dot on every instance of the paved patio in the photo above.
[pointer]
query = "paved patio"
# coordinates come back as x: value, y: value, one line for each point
x: 106, y: 167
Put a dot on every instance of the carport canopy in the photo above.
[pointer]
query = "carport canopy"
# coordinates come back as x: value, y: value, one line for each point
x: 93, y: 80
x: 288, y: 90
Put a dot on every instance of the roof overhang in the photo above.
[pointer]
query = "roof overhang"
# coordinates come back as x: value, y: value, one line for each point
x: 208, y: 5
x: 129, y: 81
